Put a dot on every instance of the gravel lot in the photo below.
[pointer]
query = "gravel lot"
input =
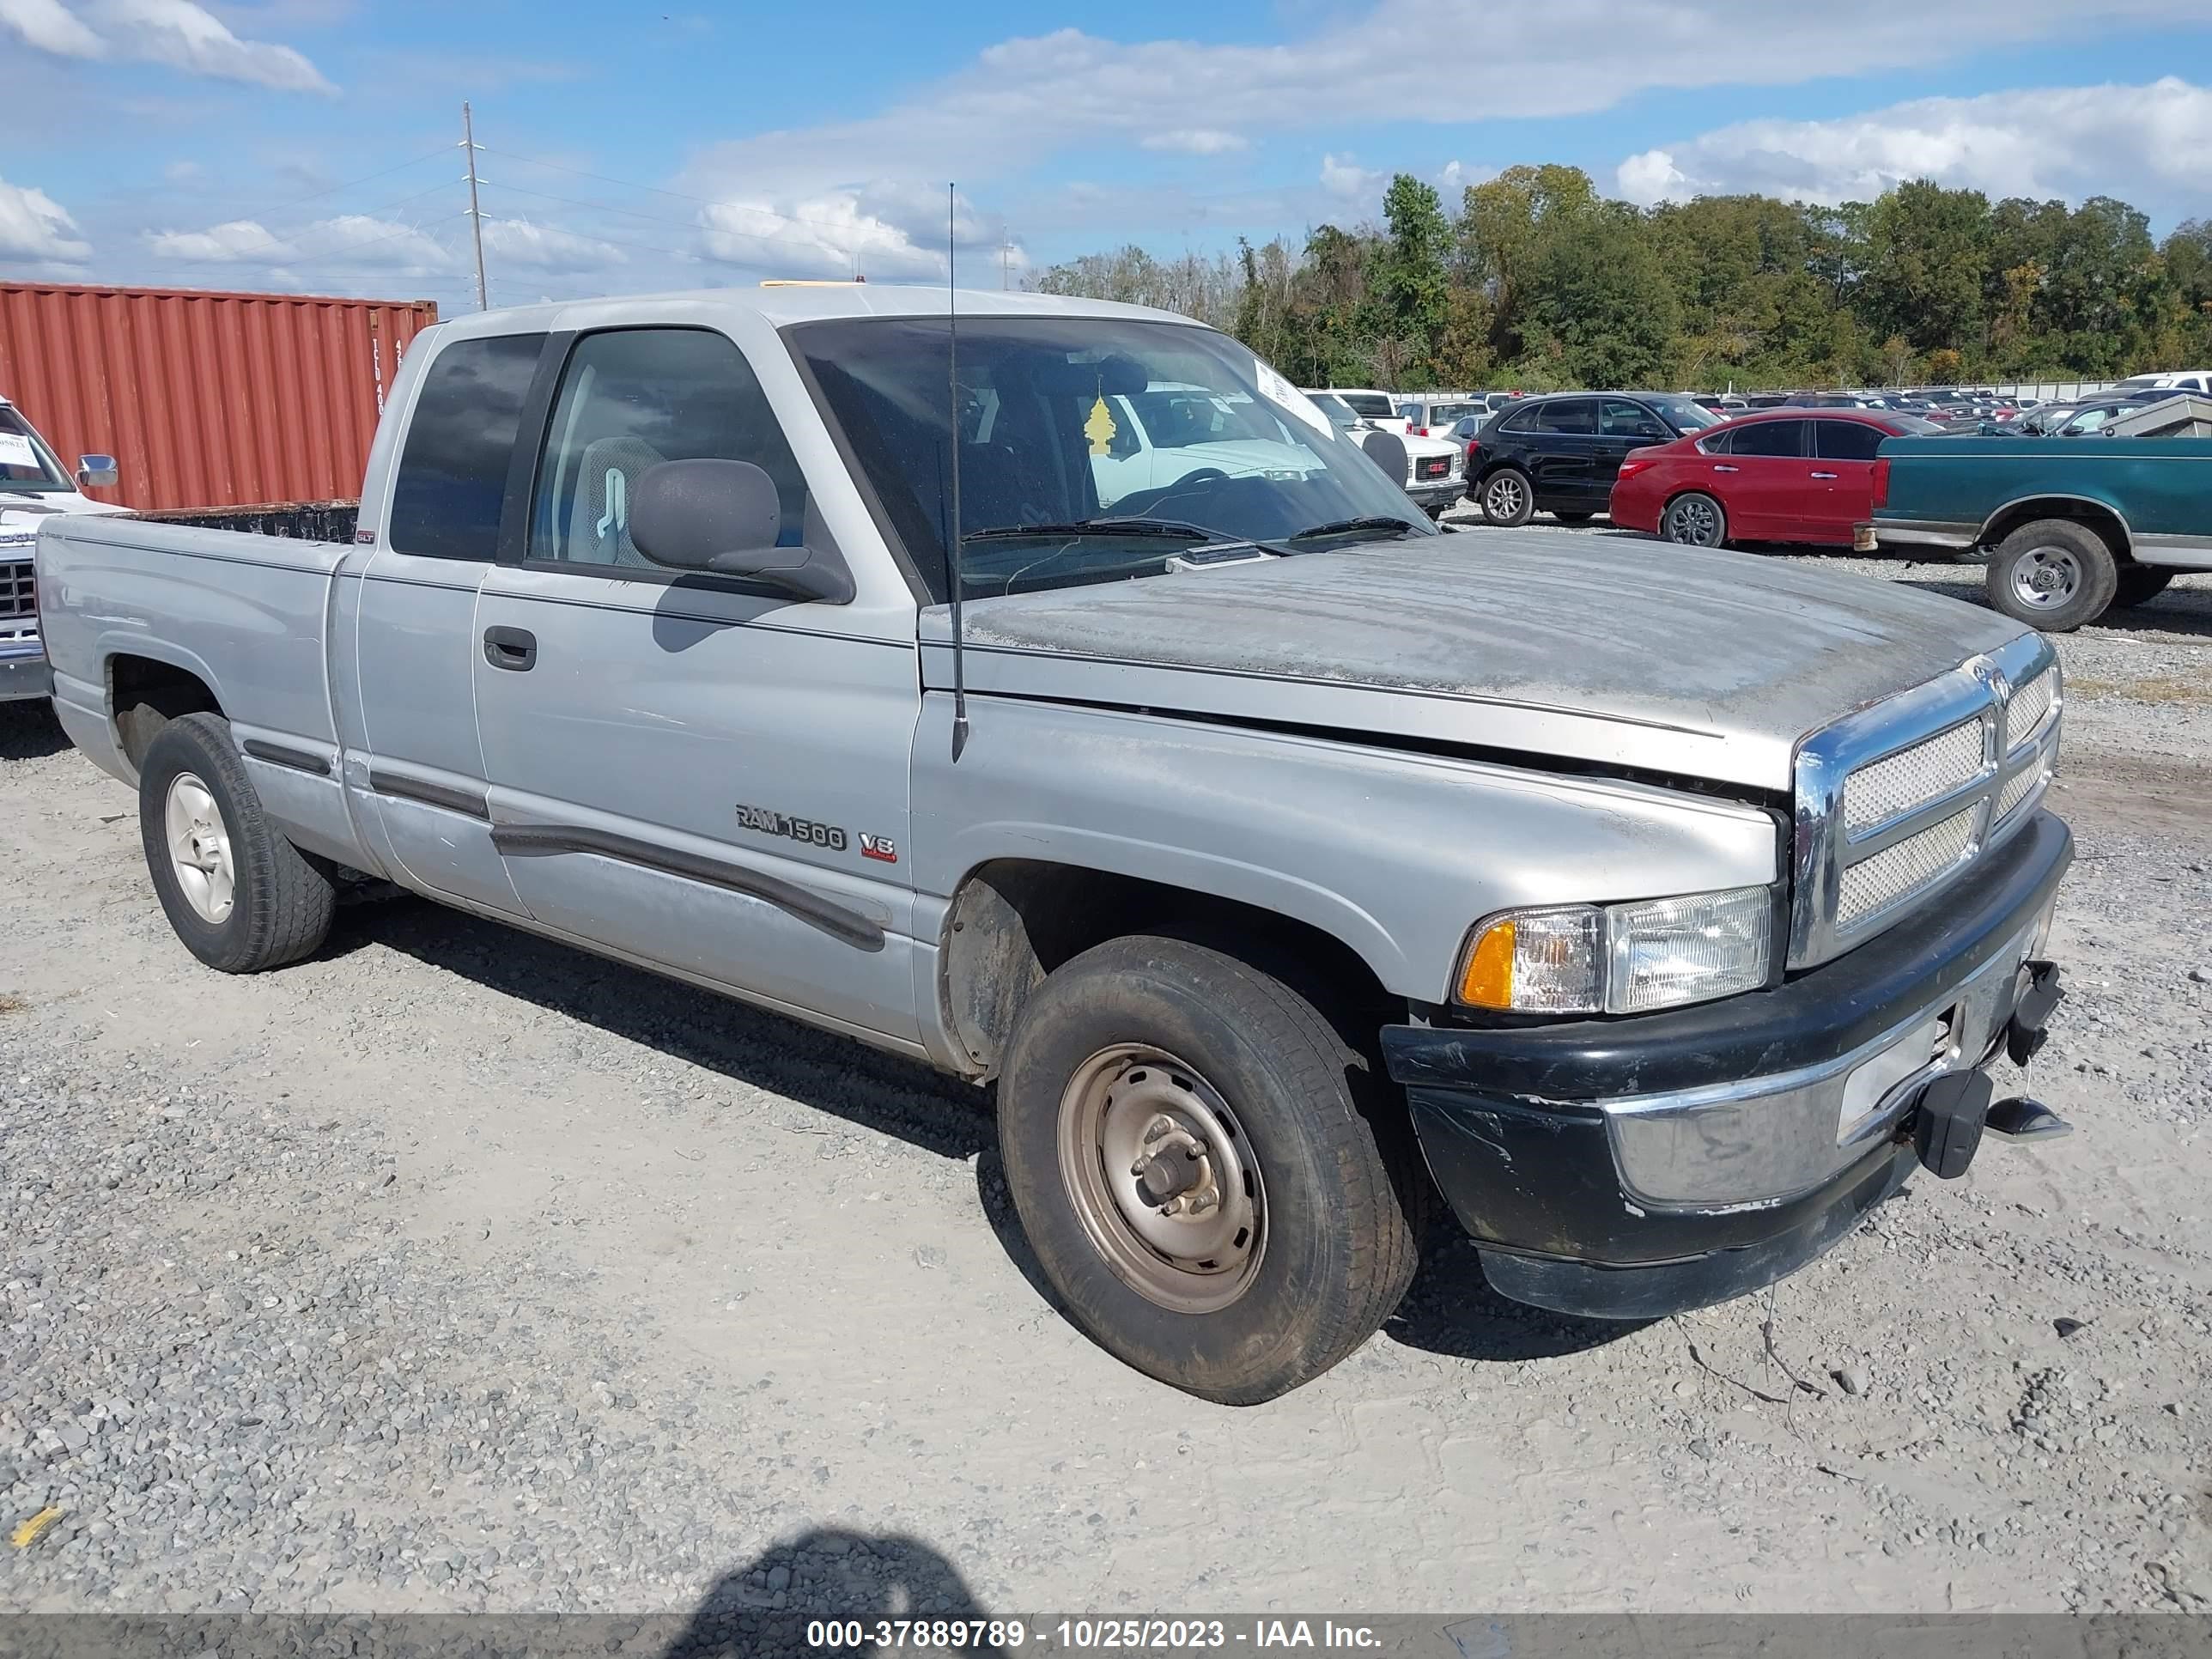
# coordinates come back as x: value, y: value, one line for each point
x: 451, y: 1269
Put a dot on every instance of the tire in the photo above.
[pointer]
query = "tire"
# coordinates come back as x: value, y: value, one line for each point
x: 1309, y: 1245
x: 1507, y: 498
x: 2054, y: 575
x: 2139, y: 585
x: 1695, y: 519
x: 1573, y: 517
x: 243, y: 898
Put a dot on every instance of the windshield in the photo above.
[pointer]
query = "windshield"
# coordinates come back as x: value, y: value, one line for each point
x: 1092, y: 449
x: 1910, y: 426
x: 1684, y: 414
x: 26, y: 464
x: 1340, y: 414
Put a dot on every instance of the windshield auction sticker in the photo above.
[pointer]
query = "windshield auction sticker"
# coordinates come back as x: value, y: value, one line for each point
x: 16, y: 451
x: 1280, y: 391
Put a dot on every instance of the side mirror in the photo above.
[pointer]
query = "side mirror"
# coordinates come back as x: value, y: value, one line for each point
x: 95, y: 471
x: 721, y: 517
x: 1388, y: 451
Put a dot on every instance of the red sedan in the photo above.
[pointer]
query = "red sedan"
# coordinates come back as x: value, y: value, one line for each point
x: 1784, y: 475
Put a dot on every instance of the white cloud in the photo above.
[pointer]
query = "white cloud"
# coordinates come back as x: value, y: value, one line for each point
x: 178, y: 32
x: 348, y: 241
x: 1195, y: 141
x: 49, y: 26
x: 2147, y: 144
x: 35, y: 226
x: 1346, y: 179
x: 892, y: 231
x: 518, y: 241
x: 184, y: 172
x: 1024, y: 101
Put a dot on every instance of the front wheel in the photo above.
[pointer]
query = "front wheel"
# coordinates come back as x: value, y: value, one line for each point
x: 1507, y: 499
x: 1185, y: 1142
x: 2054, y: 575
x: 1695, y: 519
x: 238, y: 895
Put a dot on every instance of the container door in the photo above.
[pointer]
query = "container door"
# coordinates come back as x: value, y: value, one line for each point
x: 416, y: 640
x: 699, y: 775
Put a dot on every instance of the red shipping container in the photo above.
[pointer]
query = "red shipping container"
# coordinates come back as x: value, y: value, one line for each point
x: 205, y: 399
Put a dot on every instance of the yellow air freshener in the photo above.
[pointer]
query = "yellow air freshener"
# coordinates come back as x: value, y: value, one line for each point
x: 1099, y: 427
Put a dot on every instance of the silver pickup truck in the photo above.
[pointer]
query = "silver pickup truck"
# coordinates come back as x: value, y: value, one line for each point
x: 1286, y: 863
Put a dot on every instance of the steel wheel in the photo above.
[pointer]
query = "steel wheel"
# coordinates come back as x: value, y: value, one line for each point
x: 1505, y: 498
x: 199, y: 847
x: 1694, y: 520
x: 1161, y: 1179
x: 2047, y: 578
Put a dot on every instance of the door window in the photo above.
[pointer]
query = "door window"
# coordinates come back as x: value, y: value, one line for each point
x: 451, y: 480
x: 1770, y: 438
x: 1620, y: 419
x: 629, y: 399
x: 1846, y: 440
x: 1574, y: 415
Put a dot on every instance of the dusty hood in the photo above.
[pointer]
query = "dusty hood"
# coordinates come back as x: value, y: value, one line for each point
x: 1616, y: 651
x: 21, y: 515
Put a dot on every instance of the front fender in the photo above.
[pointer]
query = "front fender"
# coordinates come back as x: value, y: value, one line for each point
x: 1394, y: 854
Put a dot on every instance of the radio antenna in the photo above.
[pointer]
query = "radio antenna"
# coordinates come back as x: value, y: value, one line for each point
x: 953, y: 550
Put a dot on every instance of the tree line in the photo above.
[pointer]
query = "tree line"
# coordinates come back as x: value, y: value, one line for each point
x: 1540, y: 283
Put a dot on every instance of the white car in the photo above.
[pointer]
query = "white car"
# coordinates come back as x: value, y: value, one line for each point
x: 33, y: 487
x: 1434, y: 466
x: 2198, y: 380
x: 1168, y: 432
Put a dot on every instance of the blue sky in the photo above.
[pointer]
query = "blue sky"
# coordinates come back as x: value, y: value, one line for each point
x: 313, y: 144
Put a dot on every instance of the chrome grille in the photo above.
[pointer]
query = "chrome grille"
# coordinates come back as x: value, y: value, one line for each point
x: 1911, y: 865
x: 1892, y: 802
x: 2030, y: 706
x: 1912, y: 777
x: 2018, y: 787
x: 18, y: 590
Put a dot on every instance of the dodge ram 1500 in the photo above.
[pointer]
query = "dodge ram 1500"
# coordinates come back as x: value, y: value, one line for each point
x: 1279, y: 869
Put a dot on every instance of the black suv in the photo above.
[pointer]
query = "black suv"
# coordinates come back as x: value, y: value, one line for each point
x: 1560, y: 452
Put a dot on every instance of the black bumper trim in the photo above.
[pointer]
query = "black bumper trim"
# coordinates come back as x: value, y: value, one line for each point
x: 1820, y: 1015
x: 1594, y: 1291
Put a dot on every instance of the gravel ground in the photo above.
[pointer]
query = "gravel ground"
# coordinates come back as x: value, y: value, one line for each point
x: 451, y: 1269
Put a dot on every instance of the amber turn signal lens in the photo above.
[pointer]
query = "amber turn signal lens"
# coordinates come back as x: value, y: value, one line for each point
x: 1487, y: 980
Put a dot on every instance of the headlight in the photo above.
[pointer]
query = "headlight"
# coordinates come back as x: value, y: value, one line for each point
x: 1619, y: 958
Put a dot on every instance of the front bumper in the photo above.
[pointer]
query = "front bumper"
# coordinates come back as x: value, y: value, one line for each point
x: 25, y: 675
x: 1429, y: 494
x: 1629, y: 1167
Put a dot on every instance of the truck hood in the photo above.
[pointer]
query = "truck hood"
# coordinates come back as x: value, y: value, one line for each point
x: 21, y: 517
x: 1602, y: 650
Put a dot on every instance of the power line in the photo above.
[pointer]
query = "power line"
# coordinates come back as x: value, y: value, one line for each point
x: 283, y: 207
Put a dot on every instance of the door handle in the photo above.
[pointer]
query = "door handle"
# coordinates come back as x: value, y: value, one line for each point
x: 1723, y: 466
x: 1823, y: 475
x: 514, y: 648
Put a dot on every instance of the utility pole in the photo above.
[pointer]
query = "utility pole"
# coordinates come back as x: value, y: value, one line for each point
x: 475, y: 215
x: 1005, y: 265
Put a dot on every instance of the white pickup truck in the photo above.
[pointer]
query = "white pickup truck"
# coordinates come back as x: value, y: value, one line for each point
x: 1283, y: 870
x: 33, y: 488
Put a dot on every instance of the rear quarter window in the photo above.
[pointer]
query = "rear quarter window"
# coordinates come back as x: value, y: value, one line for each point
x: 452, y: 479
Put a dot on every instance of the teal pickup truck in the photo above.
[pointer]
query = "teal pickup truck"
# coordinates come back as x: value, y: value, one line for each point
x: 2071, y: 529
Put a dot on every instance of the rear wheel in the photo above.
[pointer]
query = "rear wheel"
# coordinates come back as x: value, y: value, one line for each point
x: 2139, y: 585
x: 1186, y: 1146
x: 1507, y: 499
x: 238, y: 895
x: 1695, y: 519
x: 2054, y: 575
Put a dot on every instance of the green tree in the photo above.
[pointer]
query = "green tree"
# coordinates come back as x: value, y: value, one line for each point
x: 1927, y: 255
x: 1602, y: 302
x: 1411, y: 283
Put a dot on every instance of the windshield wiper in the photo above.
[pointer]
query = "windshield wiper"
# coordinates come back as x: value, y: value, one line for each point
x: 1095, y: 527
x: 1345, y: 526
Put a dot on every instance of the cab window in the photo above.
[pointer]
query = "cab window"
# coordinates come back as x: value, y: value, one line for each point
x: 629, y: 399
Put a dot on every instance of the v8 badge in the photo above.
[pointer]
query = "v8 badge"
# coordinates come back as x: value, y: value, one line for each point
x: 882, y: 848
